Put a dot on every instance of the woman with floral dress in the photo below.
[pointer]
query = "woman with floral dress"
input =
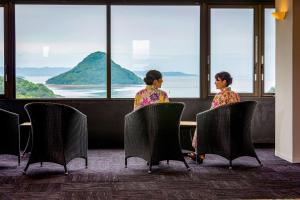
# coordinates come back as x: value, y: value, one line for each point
x: 151, y: 94
x: 225, y: 96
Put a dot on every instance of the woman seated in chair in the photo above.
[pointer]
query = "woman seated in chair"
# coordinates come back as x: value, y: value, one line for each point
x: 151, y: 94
x: 225, y: 96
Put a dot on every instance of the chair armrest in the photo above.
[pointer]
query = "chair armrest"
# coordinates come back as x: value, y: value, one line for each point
x: 76, y: 137
x: 136, y: 139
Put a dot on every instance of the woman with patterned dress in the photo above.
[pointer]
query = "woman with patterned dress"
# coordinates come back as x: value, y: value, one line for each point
x: 151, y: 94
x: 225, y: 96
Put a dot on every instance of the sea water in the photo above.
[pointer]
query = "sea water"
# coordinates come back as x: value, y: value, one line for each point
x: 175, y: 86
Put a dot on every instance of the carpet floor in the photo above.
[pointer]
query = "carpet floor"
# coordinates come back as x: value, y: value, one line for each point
x: 106, y: 178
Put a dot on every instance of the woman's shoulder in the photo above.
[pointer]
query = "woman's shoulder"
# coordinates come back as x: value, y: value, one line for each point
x: 141, y: 92
x: 162, y: 92
x: 234, y: 93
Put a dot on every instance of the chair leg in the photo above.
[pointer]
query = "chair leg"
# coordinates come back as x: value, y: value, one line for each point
x: 167, y: 161
x: 41, y: 164
x: 66, y: 170
x: 259, y: 162
x: 150, y: 168
x: 230, y: 164
x: 19, y: 160
x: 24, y: 172
x: 125, y: 162
x: 86, y: 162
x: 186, y: 165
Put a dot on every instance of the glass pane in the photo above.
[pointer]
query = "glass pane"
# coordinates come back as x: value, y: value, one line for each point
x: 232, y: 47
x: 1, y: 50
x: 269, y: 62
x: 60, y: 51
x: 165, y: 38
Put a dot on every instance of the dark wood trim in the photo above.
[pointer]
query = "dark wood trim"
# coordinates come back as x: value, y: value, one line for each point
x: 239, y: 2
x: 264, y: 93
x: 204, y: 32
x: 228, y: 6
x: 4, y: 85
x: 9, y: 51
x: 106, y: 117
x: 262, y: 67
x: 208, y: 55
x: 256, y: 53
x: 108, y: 51
x: 260, y: 39
x: 204, y: 68
x: 111, y: 2
x: 142, y: 2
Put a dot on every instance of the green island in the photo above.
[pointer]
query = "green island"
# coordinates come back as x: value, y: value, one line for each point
x: 27, y: 89
x: 92, y: 71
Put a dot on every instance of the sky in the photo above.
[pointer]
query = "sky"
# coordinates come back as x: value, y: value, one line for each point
x: 142, y: 37
x: 172, y: 42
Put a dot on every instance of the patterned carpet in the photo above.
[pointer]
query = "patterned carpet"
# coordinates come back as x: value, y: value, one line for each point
x: 106, y: 178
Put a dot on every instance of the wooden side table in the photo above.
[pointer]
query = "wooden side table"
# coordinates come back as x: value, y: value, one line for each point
x: 190, y: 126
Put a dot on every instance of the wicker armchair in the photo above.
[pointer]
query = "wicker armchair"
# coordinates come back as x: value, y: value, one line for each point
x: 10, y: 133
x: 226, y: 131
x: 59, y: 134
x: 152, y: 133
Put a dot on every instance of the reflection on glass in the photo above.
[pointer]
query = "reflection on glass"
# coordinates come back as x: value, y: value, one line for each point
x: 232, y: 44
x: 60, y: 51
x: 1, y: 50
x: 269, y: 58
x: 165, y: 38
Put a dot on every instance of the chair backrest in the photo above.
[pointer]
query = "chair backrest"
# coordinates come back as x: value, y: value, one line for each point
x: 154, y: 130
x: 163, y: 128
x: 163, y: 119
x: 51, y: 124
x: 241, y: 115
x: 226, y: 130
x: 10, y: 133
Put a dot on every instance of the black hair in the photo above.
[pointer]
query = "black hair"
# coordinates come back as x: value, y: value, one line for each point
x: 151, y: 76
x: 224, y: 76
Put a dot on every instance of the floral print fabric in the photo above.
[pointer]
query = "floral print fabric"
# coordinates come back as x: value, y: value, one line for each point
x: 149, y: 95
x: 224, y: 97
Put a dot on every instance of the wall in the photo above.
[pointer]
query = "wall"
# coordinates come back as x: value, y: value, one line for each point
x: 284, y: 84
x: 287, y: 105
x: 296, y: 75
x: 106, y: 117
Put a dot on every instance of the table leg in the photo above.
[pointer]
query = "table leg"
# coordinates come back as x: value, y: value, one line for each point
x: 27, y: 144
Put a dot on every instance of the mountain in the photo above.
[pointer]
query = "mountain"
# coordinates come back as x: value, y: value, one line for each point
x: 92, y: 71
x: 27, y: 89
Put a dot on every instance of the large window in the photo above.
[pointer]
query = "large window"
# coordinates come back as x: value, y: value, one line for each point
x: 232, y: 46
x: 60, y: 51
x: 269, y: 51
x: 165, y: 38
x: 1, y: 50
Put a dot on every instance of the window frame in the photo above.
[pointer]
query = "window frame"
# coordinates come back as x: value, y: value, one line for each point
x: 9, y: 45
x: 200, y: 91
x: 255, y: 46
x: 108, y: 54
x: 263, y: 92
x: 2, y: 95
